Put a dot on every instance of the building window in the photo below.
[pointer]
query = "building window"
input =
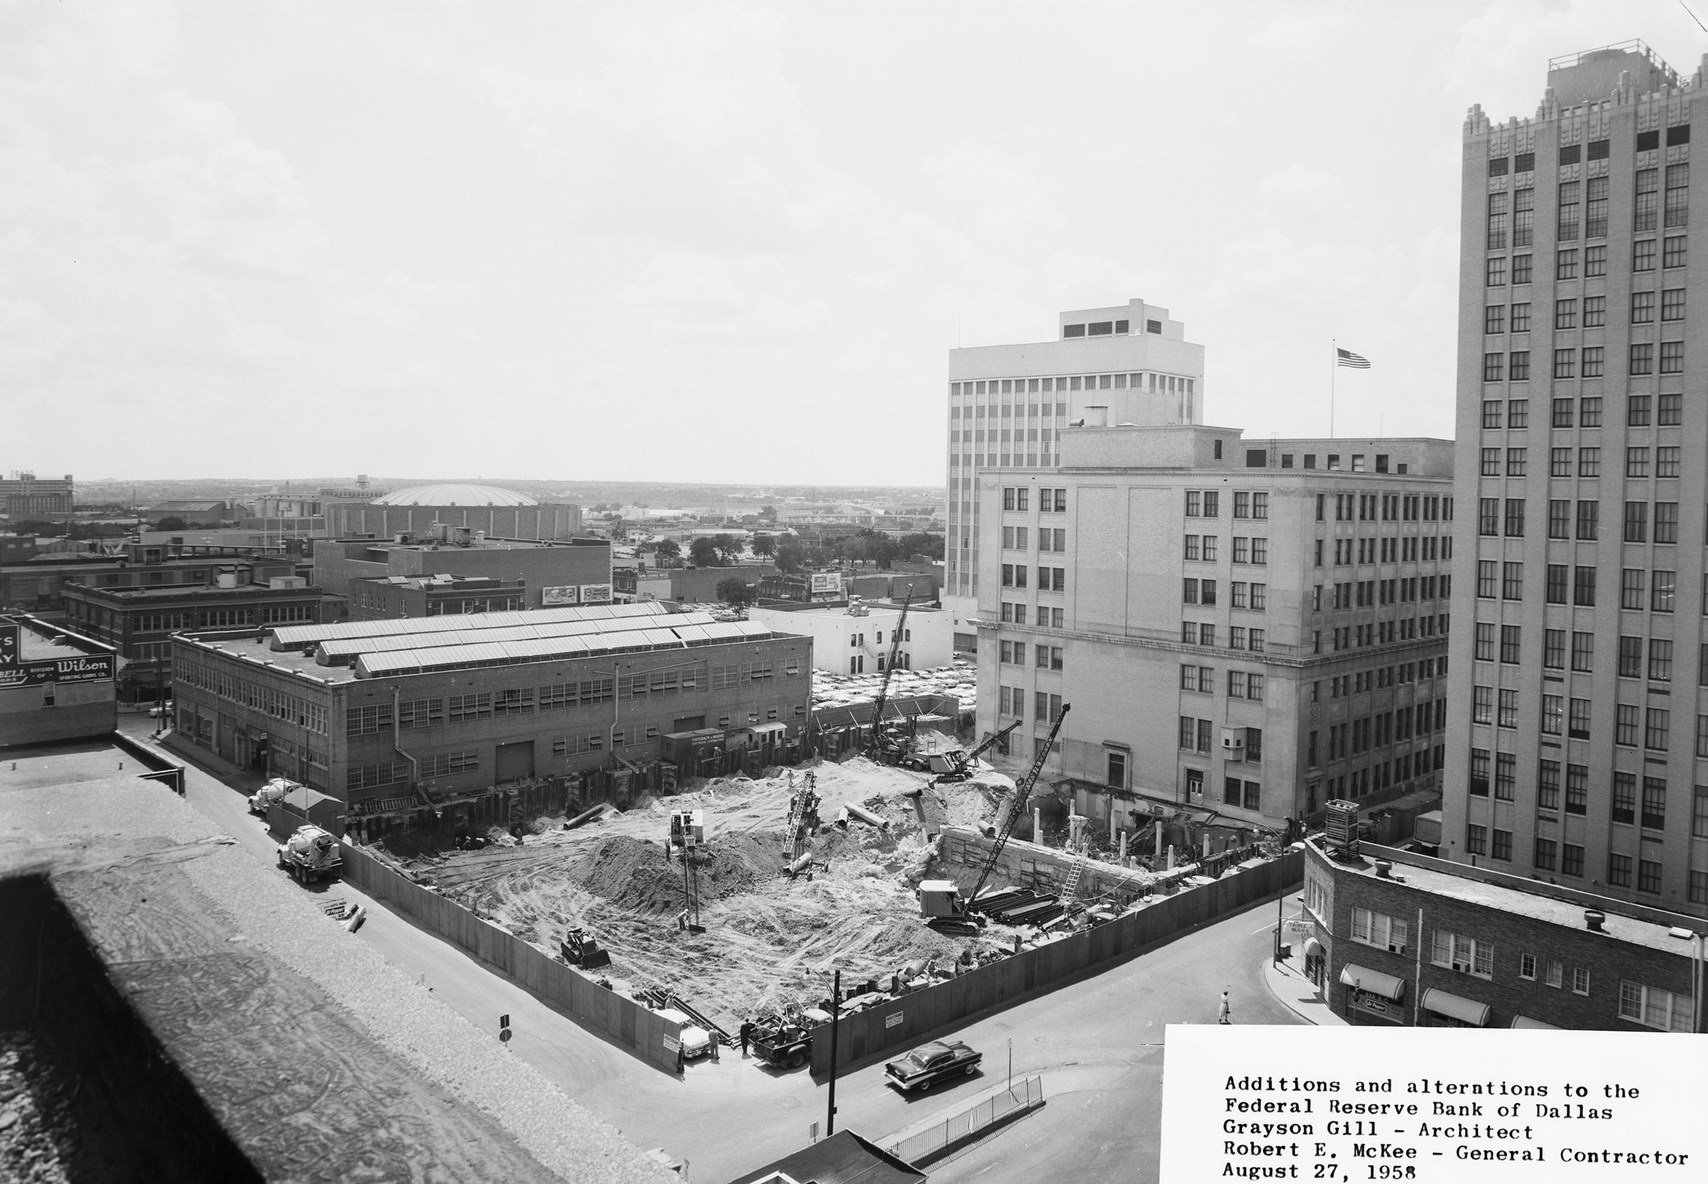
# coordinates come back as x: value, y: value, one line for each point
x: 1583, y: 586
x: 1493, y: 367
x: 1521, y: 269
x: 1646, y: 205
x: 1672, y: 357
x: 1520, y: 371
x: 1463, y: 954
x: 1594, y: 361
x: 1379, y: 930
x: 1677, y: 213
x: 1653, y: 1007
x: 1642, y: 358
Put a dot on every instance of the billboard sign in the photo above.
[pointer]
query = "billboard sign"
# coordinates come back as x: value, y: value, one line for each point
x: 8, y: 644
x: 825, y: 583
x: 595, y: 594
x: 93, y: 668
x: 556, y: 597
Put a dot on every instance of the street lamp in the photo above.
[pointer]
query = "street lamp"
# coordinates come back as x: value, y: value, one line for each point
x: 1695, y: 940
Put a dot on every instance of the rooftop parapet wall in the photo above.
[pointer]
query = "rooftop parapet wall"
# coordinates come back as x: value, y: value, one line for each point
x: 1609, y: 77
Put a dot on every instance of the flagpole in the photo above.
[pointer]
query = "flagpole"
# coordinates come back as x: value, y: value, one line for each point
x: 1334, y: 365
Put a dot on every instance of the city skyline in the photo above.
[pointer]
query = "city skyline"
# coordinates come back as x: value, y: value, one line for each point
x: 707, y: 235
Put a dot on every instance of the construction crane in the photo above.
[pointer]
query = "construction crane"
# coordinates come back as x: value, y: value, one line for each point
x: 1017, y: 807
x: 874, y: 747
x: 962, y: 764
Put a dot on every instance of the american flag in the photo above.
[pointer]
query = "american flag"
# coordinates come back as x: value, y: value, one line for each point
x: 1345, y: 357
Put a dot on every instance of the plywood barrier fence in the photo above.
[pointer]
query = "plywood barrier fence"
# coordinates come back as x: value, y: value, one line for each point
x: 617, y: 1018
x: 899, y: 1024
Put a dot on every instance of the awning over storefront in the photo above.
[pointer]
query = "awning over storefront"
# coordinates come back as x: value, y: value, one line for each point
x: 1374, y: 981
x: 1524, y: 1021
x: 1456, y: 1007
x: 1313, y: 948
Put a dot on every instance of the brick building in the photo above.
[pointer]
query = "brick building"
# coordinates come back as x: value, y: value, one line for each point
x: 138, y: 621
x: 54, y: 685
x: 394, y: 717
x: 455, y: 570
x: 1393, y: 937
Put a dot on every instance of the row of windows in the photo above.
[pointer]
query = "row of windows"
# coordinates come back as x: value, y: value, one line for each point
x: 1241, y: 684
x: 1013, y: 653
x: 1017, y: 538
x: 1376, y: 593
x: 257, y: 696
x: 1643, y: 255
x: 1380, y: 678
x: 1379, y: 632
x: 1019, y: 498
x: 1046, y: 617
x: 1640, y: 360
x: 1379, y: 730
x: 1196, y: 735
x: 1011, y: 701
x: 1388, y: 549
x: 1145, y: 380
x: 1374, y: 778
x: 1050, y: 579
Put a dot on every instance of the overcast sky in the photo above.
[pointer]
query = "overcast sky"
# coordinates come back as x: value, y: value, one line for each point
x: 718, y: 241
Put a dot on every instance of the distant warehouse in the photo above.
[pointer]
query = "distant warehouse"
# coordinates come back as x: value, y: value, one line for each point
x: 395, y: 717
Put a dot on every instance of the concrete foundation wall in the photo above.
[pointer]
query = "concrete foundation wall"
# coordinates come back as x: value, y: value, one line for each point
x: 902, y: 1023
x: 600, y: 1010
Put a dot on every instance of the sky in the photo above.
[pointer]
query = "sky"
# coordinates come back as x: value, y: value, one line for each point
x: 719, y: 241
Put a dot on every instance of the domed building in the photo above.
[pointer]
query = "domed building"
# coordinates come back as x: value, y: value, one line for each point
x: 479, y: 509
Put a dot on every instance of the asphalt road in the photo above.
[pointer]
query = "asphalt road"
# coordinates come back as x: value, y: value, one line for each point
x: 1098, y: 1044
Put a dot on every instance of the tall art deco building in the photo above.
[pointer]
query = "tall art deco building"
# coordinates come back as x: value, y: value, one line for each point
x: 1579, y: 755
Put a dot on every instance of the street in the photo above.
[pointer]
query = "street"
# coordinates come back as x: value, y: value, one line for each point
x: 1098, y: 1044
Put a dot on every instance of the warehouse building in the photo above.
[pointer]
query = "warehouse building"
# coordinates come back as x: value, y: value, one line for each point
x: 449, y: 713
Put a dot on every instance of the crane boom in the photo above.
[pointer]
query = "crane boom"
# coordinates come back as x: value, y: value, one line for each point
x: 1017, y: 806
x: 875, y: 745
x: 984, y: 745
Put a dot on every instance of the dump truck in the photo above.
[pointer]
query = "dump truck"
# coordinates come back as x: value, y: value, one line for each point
x: 581, y: 950
x: 310, y: 854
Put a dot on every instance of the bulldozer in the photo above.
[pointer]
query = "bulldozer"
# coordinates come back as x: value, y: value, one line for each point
x: 579, y: 949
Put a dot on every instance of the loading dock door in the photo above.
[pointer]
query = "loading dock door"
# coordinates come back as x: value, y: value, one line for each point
x: 515, y: 762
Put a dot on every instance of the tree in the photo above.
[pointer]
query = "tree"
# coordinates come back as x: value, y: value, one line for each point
x: 171, y: 522
x: 768, y: 513
x: 729, y: 549
x: 764, y: 544
x: 668, y: 551
x: 928, y: 545
x: 703, y: 552
x: 790, y: 556
x: 735, y: 592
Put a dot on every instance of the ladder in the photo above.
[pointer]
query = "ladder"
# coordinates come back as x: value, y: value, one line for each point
x: 1073, y: 877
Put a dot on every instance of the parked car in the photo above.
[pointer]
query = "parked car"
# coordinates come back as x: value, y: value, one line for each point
x: 929, y: 1063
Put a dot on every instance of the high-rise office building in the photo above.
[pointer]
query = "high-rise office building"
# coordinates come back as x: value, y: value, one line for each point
x: 1008, y: 404
x: 1579, y: 754
x: 1244, y: 627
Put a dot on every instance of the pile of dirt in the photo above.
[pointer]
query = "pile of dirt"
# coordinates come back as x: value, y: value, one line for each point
x: 768, y: 940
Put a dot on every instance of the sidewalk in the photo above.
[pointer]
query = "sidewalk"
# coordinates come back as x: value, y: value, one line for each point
x: 1298, y: 994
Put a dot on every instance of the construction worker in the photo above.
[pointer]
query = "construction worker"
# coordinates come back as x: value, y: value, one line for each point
x: 746, y: 1035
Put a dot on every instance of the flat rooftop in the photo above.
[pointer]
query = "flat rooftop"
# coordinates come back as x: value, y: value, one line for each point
x: 1550, y: 903
x: 317, y: 1057
x: 352, y: 650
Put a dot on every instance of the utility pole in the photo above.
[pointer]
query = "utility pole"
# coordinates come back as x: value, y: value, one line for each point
x: 835, y: 1011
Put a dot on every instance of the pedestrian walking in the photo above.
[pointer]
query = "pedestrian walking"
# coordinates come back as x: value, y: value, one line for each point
x: 746, y: 1035
x: 1222, y: 1014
